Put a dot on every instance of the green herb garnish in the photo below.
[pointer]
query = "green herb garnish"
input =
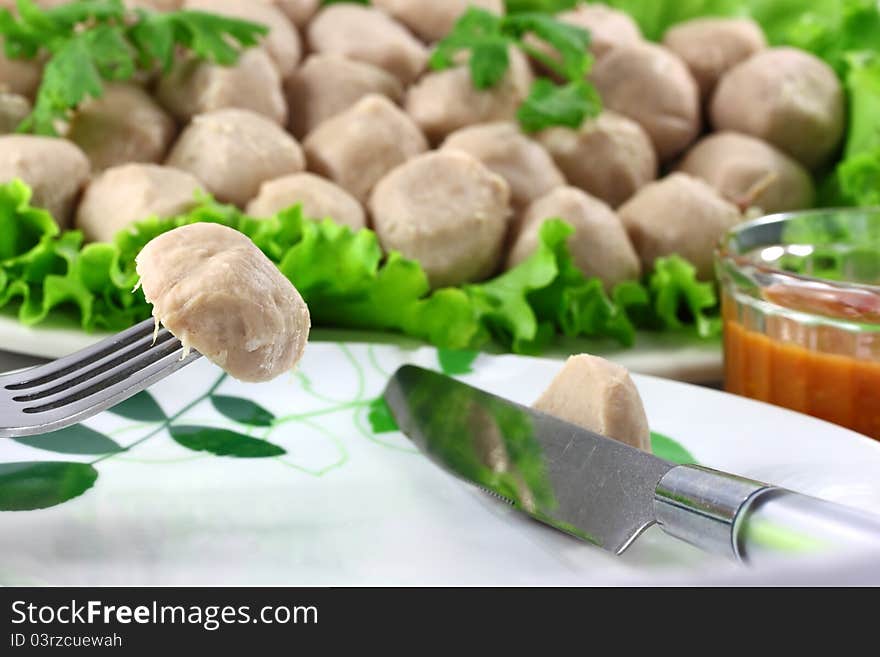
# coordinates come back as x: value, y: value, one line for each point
x: 94, y: 41
x: 486, y: 38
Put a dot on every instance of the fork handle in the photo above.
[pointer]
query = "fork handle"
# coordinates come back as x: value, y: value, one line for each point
x: 752, y: 521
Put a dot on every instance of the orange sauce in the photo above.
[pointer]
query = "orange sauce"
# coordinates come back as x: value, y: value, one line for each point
x: 820, y: 370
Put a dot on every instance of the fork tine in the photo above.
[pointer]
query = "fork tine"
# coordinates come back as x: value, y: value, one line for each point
x: 101, y: 393
x: 126, y: 369
x: 51, y: 371
x: 64, y: 383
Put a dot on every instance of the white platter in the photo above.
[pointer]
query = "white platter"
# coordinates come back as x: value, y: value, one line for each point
x: 345, y: 505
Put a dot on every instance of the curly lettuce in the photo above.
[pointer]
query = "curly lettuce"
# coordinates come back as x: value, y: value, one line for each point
x: 347, y: 281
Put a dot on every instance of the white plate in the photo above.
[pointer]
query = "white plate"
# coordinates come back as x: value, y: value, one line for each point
x: 346, y: 506
x: 672, y: 356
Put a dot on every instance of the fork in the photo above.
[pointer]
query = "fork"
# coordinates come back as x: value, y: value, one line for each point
x: 68, y: 390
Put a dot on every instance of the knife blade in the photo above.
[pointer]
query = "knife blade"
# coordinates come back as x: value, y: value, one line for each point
x: 604, y: 491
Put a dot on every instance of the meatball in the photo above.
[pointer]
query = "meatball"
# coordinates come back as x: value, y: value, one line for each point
x: 55, y: 169
x: 750, y: 172
x: 599, y: 396
x: 19, y: 76
x: 13, y: 110
x: 282, y: 42
x: 368, y: 35
x: 235, y: 151
x: 196, y: 86
x: 522, y: 162
x: 299, y: 12
x: 680, y: 215
x: 599, y: 245
x: 608, y: 27
x: 444, y: 101
x: 129, y: 193
x: 712, y: 46
x: 445, y: 210
x: 320, y: 199
x: 359, y: 146
x: 432, y: 20
x: 328, y: 84
x: 124, y: 125
x: 655, y: 89
x: 218, y: 293
x: 787, y: 97
x: 610, y: 157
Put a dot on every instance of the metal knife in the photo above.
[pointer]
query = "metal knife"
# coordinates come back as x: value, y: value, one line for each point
x: 603, y: 491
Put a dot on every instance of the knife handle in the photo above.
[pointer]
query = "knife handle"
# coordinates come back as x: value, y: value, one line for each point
x: 750, y: 521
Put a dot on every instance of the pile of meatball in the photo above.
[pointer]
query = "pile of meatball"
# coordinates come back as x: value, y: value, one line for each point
x: 337, y: 110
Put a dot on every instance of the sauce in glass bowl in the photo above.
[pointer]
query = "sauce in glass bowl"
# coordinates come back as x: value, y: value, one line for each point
x: 801, y: 312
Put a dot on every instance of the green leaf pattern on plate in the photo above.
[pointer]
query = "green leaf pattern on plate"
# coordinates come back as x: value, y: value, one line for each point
x: 222, y: 442
x: 140, y: 408
x: 665, y: 447
x: 32, y: 485
x: 380, y: 418
x: 242, y: 410
x: 78, y: 439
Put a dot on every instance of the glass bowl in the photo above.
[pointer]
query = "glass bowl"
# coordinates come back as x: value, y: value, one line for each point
x: 801, y: 309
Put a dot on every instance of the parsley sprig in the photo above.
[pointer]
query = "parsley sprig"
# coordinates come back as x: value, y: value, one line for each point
x: 486, y: 38
x: 93, y: 41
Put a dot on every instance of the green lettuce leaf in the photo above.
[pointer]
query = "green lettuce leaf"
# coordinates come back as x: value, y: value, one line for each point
x: 573, y: 303
x: 680, y: 299
x: 859, y: 172
x: 503, y: 302
x: 800, y: 23
x: 41, y: 269
x: 21, y: 226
